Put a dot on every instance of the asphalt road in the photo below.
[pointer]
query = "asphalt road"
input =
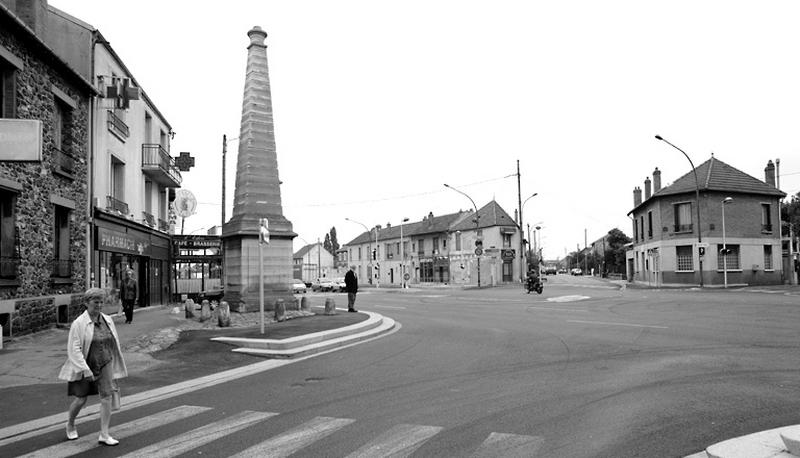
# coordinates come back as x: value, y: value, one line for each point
x: 583, y: 370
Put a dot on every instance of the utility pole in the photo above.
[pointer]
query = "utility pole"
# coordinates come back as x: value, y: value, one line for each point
x: 222, y: 223
x: 521, y: 238
x: 585, y: 246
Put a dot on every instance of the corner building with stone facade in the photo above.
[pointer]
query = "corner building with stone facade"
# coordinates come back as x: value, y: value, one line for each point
x: 666, y: 250
x: 44, y: 161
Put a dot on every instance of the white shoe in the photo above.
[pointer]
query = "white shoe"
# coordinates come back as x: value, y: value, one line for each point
x: 108, y: 440
x: 72, y: 434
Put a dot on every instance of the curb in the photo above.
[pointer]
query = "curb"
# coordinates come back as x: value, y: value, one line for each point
x: 773, y: 443
x: 316, y: 342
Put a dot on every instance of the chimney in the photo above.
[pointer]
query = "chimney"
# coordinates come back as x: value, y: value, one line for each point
x: 637, y: 196
x: 34, y: 14
x: 769, y: 174
x: 656, y: 180
x: 646, y: 188
x: 388, y: 225
x: 430, y: 215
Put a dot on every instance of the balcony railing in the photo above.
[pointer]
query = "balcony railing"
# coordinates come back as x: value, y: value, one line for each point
x: 9, y: 266
x: 160, y: 166
x: 163, y: 225
x: 149, y: 219
x: 62, y: 268
x: 116, y: 205
x: 766, y: 228
x: 684, y: 228
x: 117, y: 126
x: 64, y: 161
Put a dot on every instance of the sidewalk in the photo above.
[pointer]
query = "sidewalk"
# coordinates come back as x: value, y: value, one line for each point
x: 29, y: 364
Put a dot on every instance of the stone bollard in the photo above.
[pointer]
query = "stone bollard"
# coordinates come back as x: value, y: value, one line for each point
x: 330, y: 306
x: 224, y: 315
x: 280, y: 310
x: 205, y: 311
x: 188, y: 307
x: 305, y: 305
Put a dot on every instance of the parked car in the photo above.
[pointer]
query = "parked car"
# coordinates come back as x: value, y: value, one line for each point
x: 577, y: 271
x: 322, y: 284
x: 298, y: 286
x: 340, y: 285
x: 550, y: 270
x: 562, y: 271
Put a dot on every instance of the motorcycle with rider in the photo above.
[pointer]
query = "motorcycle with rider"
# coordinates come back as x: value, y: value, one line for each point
x: 533, y: 282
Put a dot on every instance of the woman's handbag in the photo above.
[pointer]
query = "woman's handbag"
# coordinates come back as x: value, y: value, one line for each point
x: 116, y: 402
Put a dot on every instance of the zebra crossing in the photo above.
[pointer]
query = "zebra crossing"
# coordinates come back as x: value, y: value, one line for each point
x: 398, y: 441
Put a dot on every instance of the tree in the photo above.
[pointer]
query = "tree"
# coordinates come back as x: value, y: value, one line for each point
x: 790, y: 213
x: 327, y: 243
x: 334, y: 242
x: 615, y: 250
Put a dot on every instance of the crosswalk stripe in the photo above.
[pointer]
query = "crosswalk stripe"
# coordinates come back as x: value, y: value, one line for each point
x: 188, y: 441
x: 401, y: 440
x: 508, y: 445
x: 296, y: 438
x: 88, y: 442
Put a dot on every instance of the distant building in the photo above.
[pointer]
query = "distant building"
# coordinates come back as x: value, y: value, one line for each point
x: 665, y: 246
x: 44, y: 190
x: 440, y: 249
x: 313, y: 261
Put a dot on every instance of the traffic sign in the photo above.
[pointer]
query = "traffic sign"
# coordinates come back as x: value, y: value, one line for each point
x: 478, y: 251
x: 406, y: 275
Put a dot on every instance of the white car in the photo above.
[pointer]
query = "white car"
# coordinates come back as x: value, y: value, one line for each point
x: 339, y: 285
x: 299, y: 287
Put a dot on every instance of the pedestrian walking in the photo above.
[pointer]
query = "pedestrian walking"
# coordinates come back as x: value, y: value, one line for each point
x: 94, y: 363
x: 129, y: 291
x: 351, y: 286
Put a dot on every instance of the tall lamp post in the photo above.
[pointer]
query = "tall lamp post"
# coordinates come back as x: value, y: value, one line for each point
x: 403, y: 254
x: 697, y: 197
x: 369, y: 244
x: 477, y: 228
x: 523, y: 254
x: 727, y: 200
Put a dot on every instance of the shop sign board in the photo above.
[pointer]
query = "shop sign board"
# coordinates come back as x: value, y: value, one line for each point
x: 122, y: 242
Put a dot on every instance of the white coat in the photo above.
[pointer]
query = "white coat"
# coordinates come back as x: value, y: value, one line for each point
x: 80, y: 339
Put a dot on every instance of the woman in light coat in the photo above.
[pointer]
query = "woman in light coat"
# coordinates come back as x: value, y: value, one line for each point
x: 94, y: 362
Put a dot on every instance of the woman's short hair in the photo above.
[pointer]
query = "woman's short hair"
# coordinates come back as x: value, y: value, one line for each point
x: 94, y: 293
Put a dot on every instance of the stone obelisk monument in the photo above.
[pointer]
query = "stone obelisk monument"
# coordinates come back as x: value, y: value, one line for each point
x: 257, y: 195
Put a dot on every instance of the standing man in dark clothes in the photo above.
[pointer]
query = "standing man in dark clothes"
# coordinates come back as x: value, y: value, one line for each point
x: 128, y: 292
x: 351, y: 286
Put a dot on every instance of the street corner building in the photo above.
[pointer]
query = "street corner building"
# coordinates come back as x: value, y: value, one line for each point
x: 714, y: 225
x: 86, y: 177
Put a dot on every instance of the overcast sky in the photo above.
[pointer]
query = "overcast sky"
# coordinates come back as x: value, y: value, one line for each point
x: 377, y: 104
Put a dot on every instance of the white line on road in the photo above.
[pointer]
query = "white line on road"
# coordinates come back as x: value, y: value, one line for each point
x: 556, y: 309
x: 295, y: 439
x: 606, y: 323
x: 498, y: 444
x: 402, y: 440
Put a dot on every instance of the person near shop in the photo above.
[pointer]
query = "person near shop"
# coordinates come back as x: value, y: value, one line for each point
x: 94, y: 363
x: 351, y: 286
x: 128, y: 290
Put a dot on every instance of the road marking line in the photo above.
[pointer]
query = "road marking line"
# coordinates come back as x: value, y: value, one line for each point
x: 401, y: 440
x: 88, y: 442
x: 572, y: 298
x: 557, y: 309
x: 618, y: 324
x: 389, y: 307
x: 297, y: 438
x: 195, y: 438
x: 499, y: 444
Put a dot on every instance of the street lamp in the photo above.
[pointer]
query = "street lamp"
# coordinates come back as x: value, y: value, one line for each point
x: 477, y: 226
x: 727, y: 200
x: 369, y: 247
x: 523, y: 253
x: 697, y: 197
x: 403, y: 254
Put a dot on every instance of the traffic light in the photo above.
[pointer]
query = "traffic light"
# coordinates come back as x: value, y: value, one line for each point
x: 263, y: 231
x: 725, y: 251
x: 478, y: 243
x: 702, y: 251
x: 378, y: 266
x: 374, y: 254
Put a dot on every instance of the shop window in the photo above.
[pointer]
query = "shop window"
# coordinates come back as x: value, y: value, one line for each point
x: 731, y: 258
x: 62, y: 265
x: 9, y: 248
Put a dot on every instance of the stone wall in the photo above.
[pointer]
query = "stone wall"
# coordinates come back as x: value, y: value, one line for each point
x: 34, y: 211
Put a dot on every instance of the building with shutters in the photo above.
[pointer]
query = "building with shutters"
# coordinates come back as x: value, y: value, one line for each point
x: 134, y: 175
x: 666, y: 249
x: 45, y: 107
x: 440, y: 250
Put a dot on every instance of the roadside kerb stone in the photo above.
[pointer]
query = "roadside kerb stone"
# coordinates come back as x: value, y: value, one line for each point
x: 764, y: 444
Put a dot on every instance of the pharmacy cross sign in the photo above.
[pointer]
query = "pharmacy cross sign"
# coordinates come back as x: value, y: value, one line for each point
x: 184, y: 162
